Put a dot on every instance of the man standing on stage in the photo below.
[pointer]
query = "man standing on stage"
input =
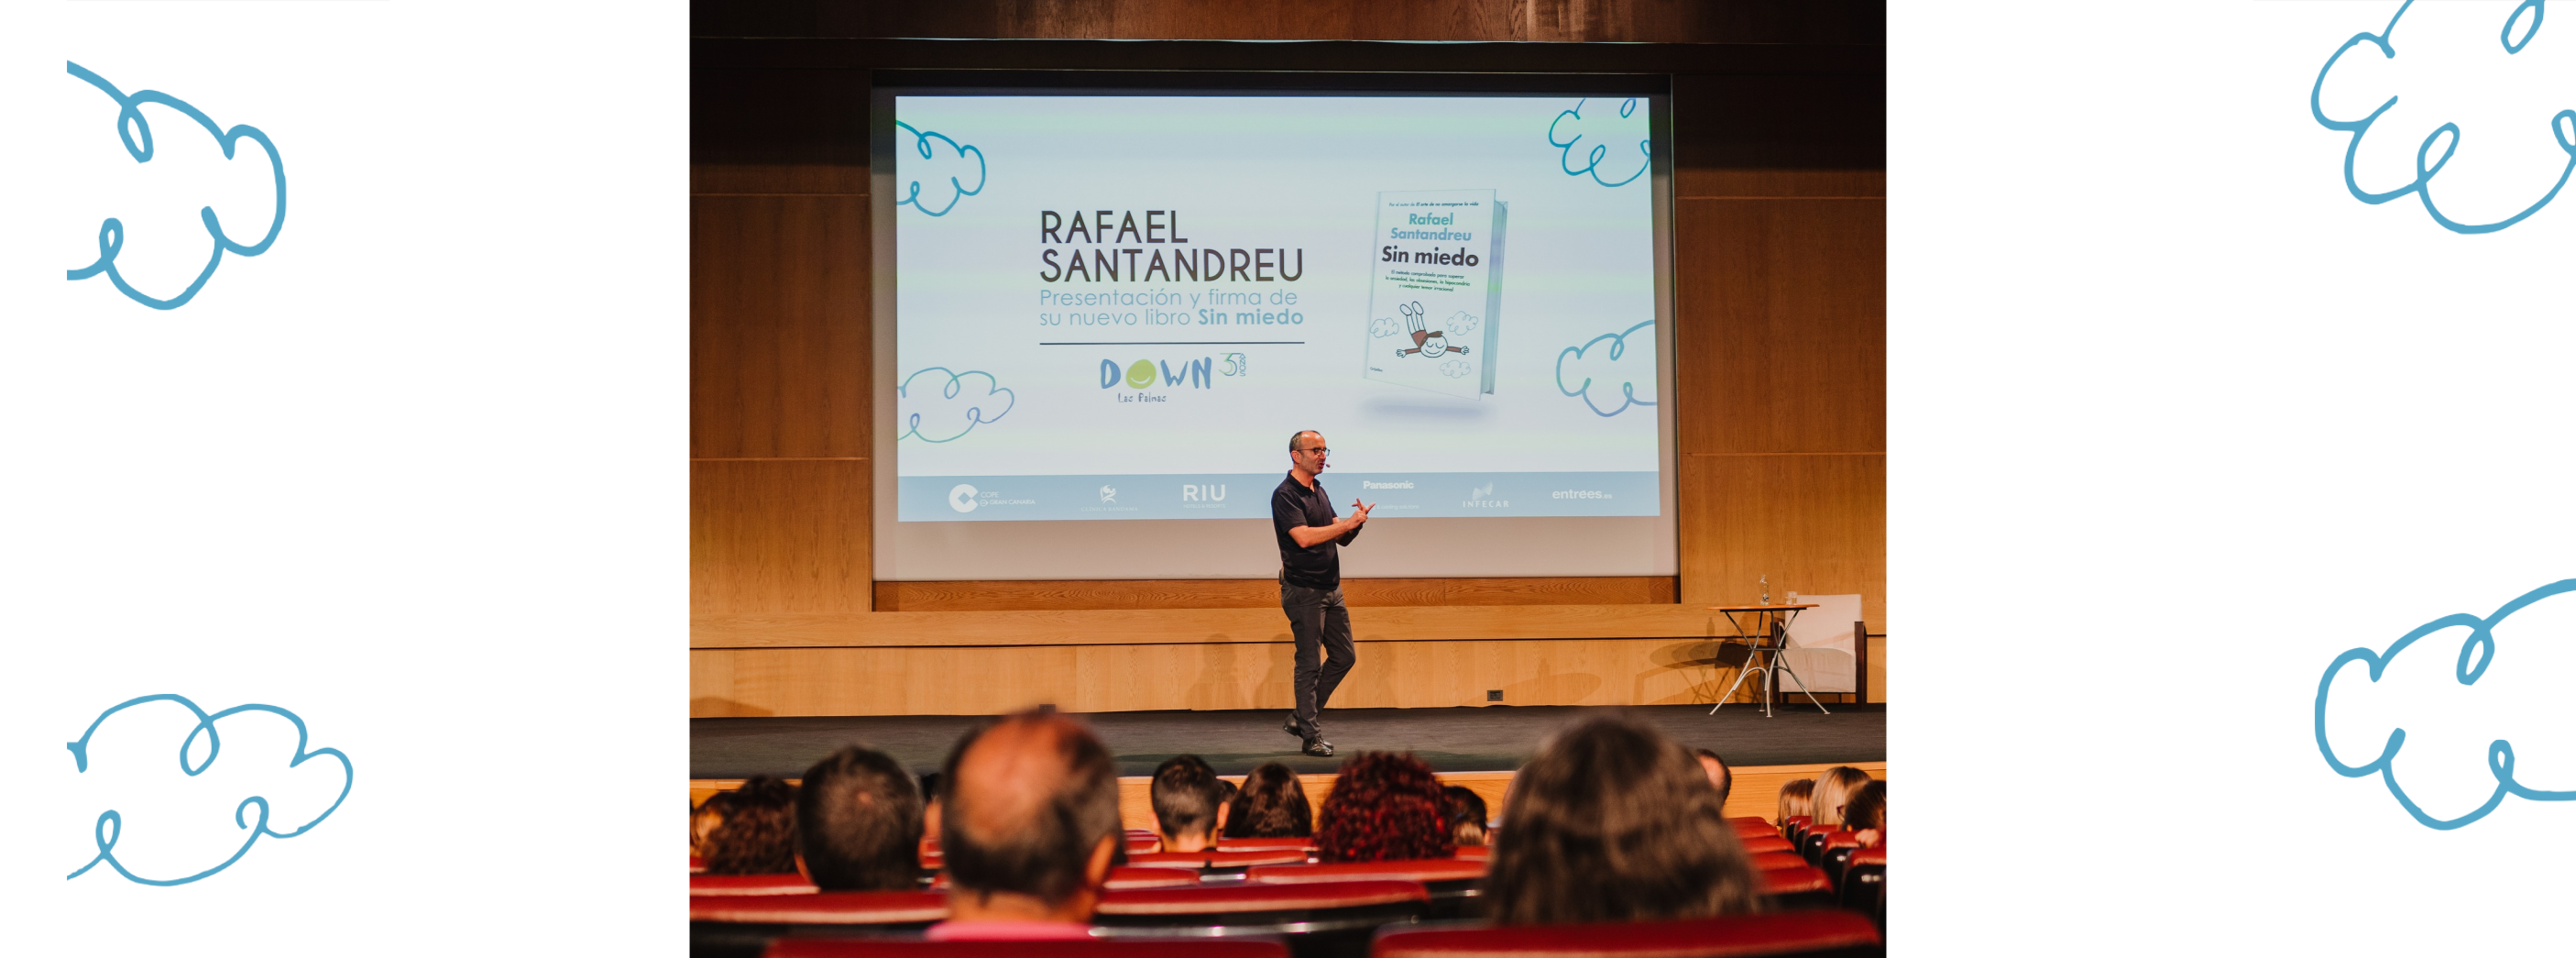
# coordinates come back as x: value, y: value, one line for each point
x: 1310, y: 582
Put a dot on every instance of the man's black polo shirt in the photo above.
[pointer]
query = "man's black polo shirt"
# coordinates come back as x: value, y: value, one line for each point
x: 1318, y: 566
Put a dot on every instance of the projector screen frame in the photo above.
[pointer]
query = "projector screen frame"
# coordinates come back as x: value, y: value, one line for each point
x: 1480, y: 547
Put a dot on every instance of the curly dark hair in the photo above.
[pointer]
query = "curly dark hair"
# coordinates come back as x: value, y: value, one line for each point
x: 758, y: 836
x: 1614, y: 822
x: 1383, y: 806
x: 1270, y: 805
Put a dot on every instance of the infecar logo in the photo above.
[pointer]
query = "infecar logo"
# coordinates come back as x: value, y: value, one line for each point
x: 962, y: 498
x: 1109, y: 494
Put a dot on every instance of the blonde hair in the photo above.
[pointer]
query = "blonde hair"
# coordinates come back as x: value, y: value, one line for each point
x: 1793, y: 799
x: 1834, y: 790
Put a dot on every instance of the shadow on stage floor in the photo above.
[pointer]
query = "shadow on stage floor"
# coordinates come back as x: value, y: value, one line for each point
x: 1494, y: 738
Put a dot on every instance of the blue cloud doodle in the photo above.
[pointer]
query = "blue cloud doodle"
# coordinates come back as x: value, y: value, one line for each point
x: 1610, y: 132
x: 111, y: 825
x: 2515, y: 35
x: 1617, y: 350
x: 137, y: 134
x: 2476, y: 653
x: 951, y: 162
x: 950, y: 410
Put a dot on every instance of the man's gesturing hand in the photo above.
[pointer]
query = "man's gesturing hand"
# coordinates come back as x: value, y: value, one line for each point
x: 1359, y: 513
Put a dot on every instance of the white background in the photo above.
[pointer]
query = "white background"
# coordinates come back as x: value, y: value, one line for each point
x: 413, y: 474
x: 2174, y: 421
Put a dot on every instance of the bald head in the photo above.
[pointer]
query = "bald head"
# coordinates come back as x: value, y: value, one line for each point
x: 1026, y: 802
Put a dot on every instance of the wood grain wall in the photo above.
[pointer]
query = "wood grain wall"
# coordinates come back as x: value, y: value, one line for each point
x: 1779, y: 395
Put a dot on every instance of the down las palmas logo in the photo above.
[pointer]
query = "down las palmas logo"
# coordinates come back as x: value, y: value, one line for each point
x: 2442, y: 742
x: 241, y: 774
x: 134, y: 127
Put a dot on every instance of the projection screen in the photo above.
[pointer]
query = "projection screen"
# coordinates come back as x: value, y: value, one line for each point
x: 1098, y: 317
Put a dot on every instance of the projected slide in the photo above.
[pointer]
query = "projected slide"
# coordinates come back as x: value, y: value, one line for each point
x: 1120, y: 307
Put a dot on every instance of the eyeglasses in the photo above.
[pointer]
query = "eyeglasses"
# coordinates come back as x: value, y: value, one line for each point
x: 1318, y: 450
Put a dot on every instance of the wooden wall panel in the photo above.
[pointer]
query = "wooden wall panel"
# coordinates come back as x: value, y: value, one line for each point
x: 778, y: 301
x: 778, y: 536
x: 1816, y: 524
x: 1262, y: 593
x: 1783, y: 325
x: 1115, y: 678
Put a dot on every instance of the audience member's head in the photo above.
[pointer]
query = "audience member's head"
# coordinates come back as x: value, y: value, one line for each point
x: 1613, y: 822
x: 1225, y: 792
x: 1833, y: 791
x: 1383, y: 807
x: 704, y: 819
x: 1866, y: 812
x: 758, y: 835
x: 1718, y: 774
x: 1793, y: 799
x: 1466, y: 811
x: 1188, y: 803
x: 1270, y: 805
x: 858, y: 823
x: 930, y: 806
x: 1030, y: 824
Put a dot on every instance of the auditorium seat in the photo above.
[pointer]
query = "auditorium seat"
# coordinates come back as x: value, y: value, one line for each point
x: 1451, y: 882
x: 1263, y: 844
x: 1169, y: 859
x: 1799, y: 888
x: 742, y: 926
x: 1810, y: 934
x: 1771, y: 861
x: 697, y: 865
x: 1816, y: 842
x: 932, y: 861
x: 1144, y: 947
x: 1147, y: 843
x: 1323, y: 917
x: 1412, y: 869
x: 1794, y: 827
x: 1475, y: 851
x: 1837, y: 848
x: 1124, y: 876
x: 1757, y: 844
x: 1238, y: 861
x: 790, y: 883
x: 1864, y: 883
x: 1751, y: 827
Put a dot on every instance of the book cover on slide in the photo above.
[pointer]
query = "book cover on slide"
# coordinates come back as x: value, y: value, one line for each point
x: 1435, y: 291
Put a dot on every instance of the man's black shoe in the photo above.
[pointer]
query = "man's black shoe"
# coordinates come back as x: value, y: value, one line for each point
x: 1290, y: 726
x: 1318, y: 747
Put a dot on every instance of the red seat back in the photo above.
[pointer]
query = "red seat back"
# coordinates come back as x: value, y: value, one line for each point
x: 1169, y: 859
x: 1416, y: 869
x: 1475, y: 851
x: 1841, y: 838
x: 1871, y: 856
x: 1263, y: 844
x: 1136, y: 877
x: 1146, y: 947
x: 697, y: 864
x: 729, y: 885
x: 1767, y: 861
x: 1794, y: 881
x: 1259, y: 897
x: 1276, y: 856
x: 1758, y: 844
x: 1796, y: 933
x: 1146, y: 843
x: 825, y: 908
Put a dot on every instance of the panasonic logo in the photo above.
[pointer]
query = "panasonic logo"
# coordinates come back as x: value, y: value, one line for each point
x: 1365, y: 484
